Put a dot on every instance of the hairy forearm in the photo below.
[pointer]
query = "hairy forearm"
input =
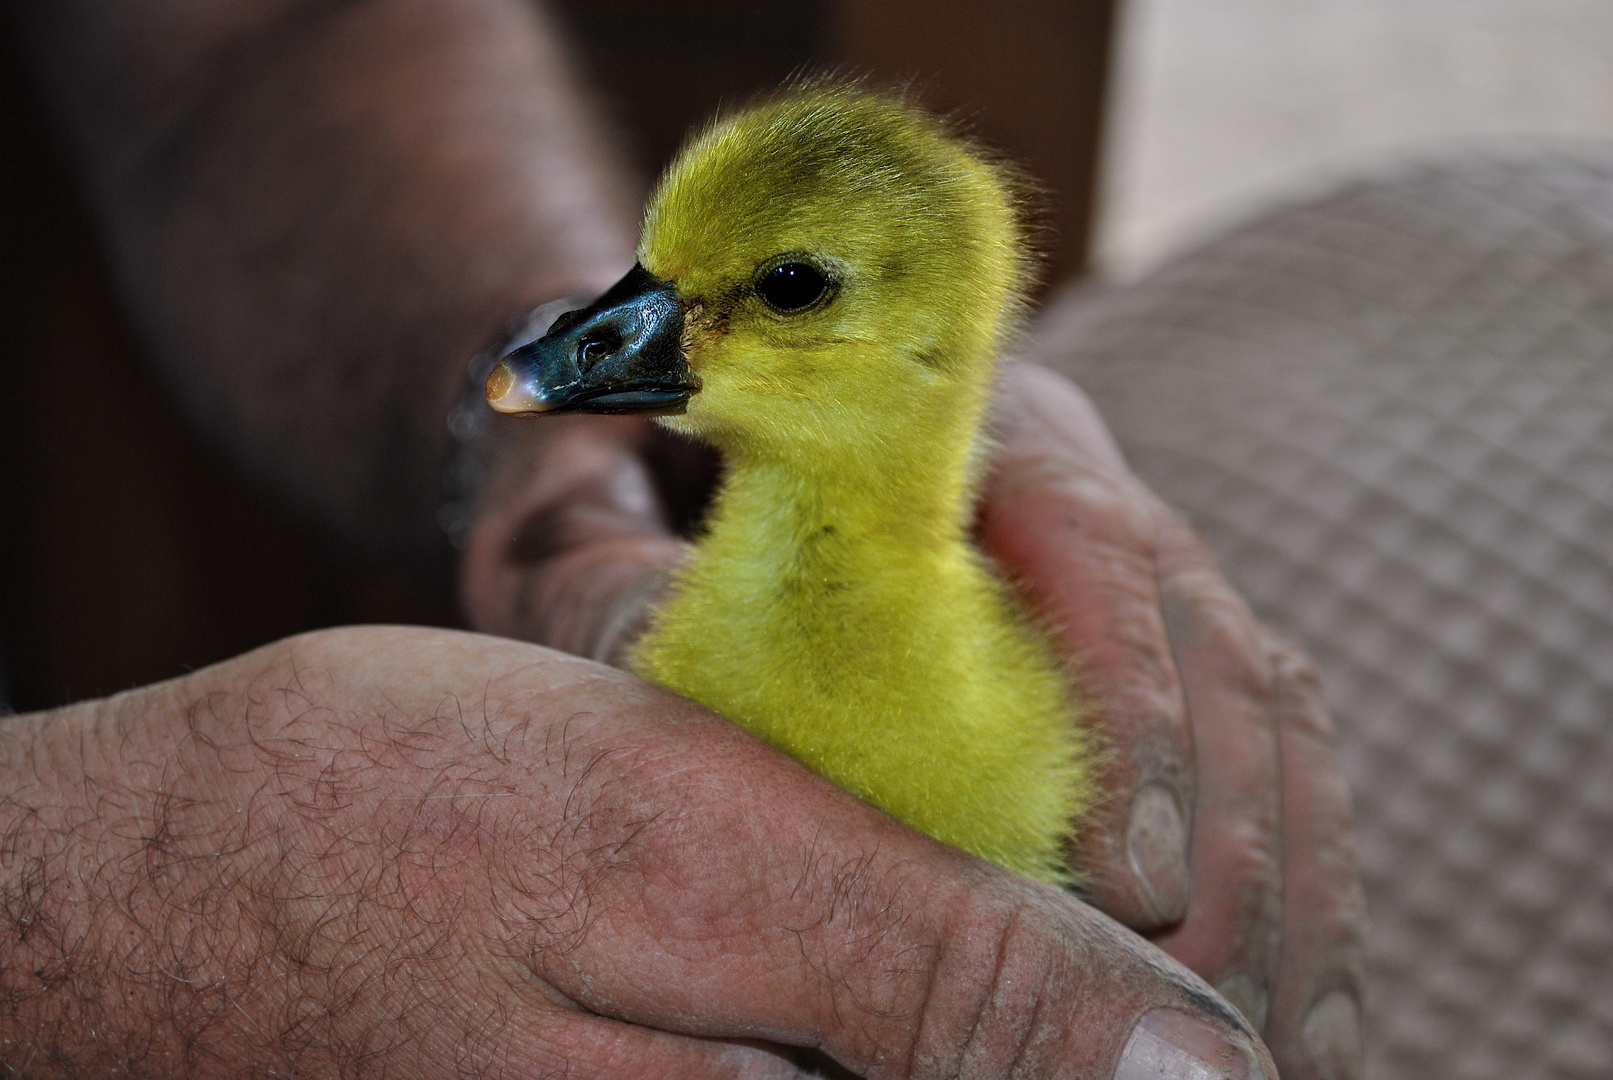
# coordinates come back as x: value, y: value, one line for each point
x: 317, y: 212
x: 191, y: 882
x: 131, y: 910
x: 78, y: 851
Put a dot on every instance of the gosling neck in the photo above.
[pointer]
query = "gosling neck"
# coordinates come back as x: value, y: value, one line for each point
x: 907, y: 479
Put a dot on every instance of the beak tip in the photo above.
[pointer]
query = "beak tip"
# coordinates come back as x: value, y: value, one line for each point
x: 506, y: 394
x: 499, y: 382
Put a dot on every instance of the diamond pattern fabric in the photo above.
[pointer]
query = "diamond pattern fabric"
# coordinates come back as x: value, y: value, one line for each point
x: 1390, y: 412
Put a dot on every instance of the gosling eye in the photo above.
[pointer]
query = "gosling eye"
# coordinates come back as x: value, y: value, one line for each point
x: 792, y: 286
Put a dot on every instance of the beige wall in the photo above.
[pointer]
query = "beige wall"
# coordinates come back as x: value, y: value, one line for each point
x: 1220, y: 106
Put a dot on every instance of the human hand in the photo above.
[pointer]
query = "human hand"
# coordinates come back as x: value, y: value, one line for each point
x: 1227, y: 831
x: 1228, y: 839
x: 412, y: 852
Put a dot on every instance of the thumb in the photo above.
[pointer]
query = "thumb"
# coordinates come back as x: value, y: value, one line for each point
x: 570, y: 546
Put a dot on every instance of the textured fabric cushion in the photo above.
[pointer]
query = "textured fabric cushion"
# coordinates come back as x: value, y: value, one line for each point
x: 1391, y: 414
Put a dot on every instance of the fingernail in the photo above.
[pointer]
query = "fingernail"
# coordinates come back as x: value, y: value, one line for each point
x: 1332, y: 1034
x: 1171, y: 1045
x: 1248, y: 995
x: 1156, y: 846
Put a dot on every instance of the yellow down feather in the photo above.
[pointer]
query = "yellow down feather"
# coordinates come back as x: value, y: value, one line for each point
x: 834, y: 605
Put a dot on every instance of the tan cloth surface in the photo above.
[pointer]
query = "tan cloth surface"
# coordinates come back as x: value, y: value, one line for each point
x: 1391, y: 413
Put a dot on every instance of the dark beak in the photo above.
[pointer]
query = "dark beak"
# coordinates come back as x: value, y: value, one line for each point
x: 621, y: 354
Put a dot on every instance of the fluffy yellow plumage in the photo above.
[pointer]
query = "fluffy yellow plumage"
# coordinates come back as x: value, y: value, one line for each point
x: 846, y: 270
x: 835, y: 606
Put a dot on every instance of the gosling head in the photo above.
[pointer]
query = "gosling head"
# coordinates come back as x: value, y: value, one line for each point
x: 829, y: 264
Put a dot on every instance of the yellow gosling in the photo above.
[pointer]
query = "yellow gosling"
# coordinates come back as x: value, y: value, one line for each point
x: 825, y: 282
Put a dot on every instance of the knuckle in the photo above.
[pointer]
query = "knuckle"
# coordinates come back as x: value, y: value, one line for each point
x: 1021, y: 973
x: 1204, y: 618
x: 1301, y: 704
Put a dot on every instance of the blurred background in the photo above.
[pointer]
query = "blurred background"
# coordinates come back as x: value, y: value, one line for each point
x: 1340, y: 272
x: 1220, y: 107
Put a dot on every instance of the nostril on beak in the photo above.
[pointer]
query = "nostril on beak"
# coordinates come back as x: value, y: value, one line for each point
x: 596, y: 347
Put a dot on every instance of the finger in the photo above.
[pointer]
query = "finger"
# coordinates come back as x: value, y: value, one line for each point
x: 1315, y: 1029
x: 1064, y: 516
x: 571, y: 547
x: 703, y: 884
x: 1233, y: 929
